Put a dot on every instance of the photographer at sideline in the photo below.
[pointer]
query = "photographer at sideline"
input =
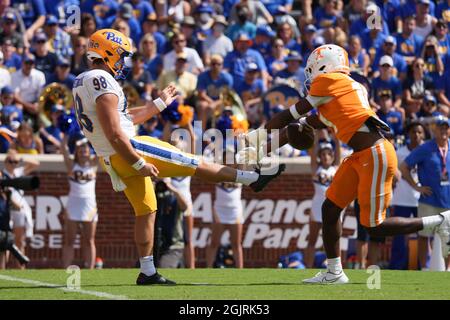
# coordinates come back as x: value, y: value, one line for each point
x: 169, y: 225
x: 21, y: 215
x: 5, y: 207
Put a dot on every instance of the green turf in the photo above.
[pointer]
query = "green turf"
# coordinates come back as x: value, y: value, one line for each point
x: 226, y: 284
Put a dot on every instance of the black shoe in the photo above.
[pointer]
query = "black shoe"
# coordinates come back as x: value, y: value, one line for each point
x: 264, y: 179
x: 153, y: 279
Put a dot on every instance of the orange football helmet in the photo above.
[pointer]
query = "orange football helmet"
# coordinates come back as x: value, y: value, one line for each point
x: 114, y: 48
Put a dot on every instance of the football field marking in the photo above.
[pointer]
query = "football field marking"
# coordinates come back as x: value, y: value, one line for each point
x: 98, y: 294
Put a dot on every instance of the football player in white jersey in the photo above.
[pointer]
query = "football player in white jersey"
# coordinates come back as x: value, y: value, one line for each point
x: 131, y: 160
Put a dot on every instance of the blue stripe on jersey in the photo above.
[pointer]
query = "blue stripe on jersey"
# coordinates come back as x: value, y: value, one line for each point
x: 162, y: 153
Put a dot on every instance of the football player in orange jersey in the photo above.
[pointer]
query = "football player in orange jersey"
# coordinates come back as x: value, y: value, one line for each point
x: 367, y: 174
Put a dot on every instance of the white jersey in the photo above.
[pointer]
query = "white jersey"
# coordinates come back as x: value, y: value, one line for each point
x: 404, y: 194
x: 82, y: 182
x: 88, y: 86
x: 183, y: 184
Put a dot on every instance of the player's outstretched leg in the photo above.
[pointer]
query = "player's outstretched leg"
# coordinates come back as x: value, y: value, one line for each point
x: 256, y: 180
x: 331, y: 233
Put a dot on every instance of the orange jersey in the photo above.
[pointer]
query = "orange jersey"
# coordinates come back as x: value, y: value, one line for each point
x: 349, y: 106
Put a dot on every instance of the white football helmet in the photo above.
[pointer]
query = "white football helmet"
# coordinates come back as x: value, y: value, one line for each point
x: 325, y: 59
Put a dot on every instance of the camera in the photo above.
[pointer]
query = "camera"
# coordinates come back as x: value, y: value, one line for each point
x: 6, y: 235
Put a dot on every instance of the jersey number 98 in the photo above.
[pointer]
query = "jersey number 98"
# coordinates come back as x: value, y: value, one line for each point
x: 83, y: 120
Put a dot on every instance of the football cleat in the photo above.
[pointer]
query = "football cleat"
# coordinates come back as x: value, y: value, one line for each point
x: 264, y: 179
x: 327, y: 277
x: 443, y: 230
x: 143, y: 280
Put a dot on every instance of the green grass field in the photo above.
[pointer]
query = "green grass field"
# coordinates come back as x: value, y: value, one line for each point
x: 222, y: 284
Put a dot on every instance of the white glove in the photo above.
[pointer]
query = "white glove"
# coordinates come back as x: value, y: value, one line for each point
x: 257, y: 137
x: 303, y: 123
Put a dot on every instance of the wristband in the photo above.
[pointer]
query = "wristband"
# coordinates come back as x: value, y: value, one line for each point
x: 138, y: 165
x: 294, y: 112
x: 159, y: 104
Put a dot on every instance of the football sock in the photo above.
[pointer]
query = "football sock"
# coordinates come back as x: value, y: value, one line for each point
x: 429, y: 223
x: 246, y: 177
x: 334, y: 265
x: 147, y: 266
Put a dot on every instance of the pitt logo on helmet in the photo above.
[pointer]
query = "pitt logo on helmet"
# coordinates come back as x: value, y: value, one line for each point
x: 113, y: 37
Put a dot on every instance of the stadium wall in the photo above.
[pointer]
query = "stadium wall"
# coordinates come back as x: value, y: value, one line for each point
x: 275, y: 224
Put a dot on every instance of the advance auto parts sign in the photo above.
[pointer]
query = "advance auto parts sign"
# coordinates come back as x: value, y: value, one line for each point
x: 273, y: 223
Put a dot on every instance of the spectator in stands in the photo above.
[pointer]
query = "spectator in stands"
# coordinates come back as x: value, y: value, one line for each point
x: 433, y: 161
x: 27, y: 84
x: 9, y: 30
x: 79, y: 61
x: 443, y: 10
x: 443, y: 89
x: 5, y: 76
x: 122, y: 26
x: 143, y: 9
x: 429, y: 107
x: 209, y: 87
x: 11, y: 60
x: 388, y: 49
x: 236, y: 62
x: 372, y: 40
x: 424, y: 20
x: 409, y: 44
x: 187, y: 28
x: 389, y: 114
x: 405, y: 199
x: 81, y: 209
x: 33, y: 15
x: 360, y: 26
x: 441, y: 33
x: 387, y: 82
x: 353, y: 12
x: 194, y: 63
x: 294, y: 72
x: 434, y: 66
x: 149, y: 128
x: 184, y: 81
x: 276, y: 61
x: 52, y: 136
x: 125, y: 14
x: 358, y: 59
x: 327, y: 15
x: 140, y: 78
x: 100, y: 9
x: 171, y: 12
x: 259, y: 15
x: 58, y: 40
x: 227, y: 215
x: 45, y: 60
x: 13, y: 115
x: 251, y: 90
x: 150, y: 26
x: 203, y: 15
x: 88, y: 25
x: 276, y: 5
x: 152, y: 60
x: 62, y: 74
x: 217, y: 42
x: 415, y: 86
x: 286, y: 33
x: 262, y: 43
x: 309, y: 34
x: 27, y: 142
x: 21, y: 218
x: 242, y: 25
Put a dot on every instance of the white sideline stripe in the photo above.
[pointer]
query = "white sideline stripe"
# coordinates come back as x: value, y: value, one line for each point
x: 57, y: 286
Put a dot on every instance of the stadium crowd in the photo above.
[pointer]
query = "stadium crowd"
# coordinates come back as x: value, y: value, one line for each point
x: 398, y: 49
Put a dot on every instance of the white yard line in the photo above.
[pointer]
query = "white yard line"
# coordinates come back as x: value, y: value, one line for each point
x: 57, y: 286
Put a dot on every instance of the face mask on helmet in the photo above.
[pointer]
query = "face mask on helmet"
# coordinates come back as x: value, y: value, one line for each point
x: 123, y: 66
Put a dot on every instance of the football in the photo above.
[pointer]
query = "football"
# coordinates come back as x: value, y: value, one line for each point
x: 301, y: 140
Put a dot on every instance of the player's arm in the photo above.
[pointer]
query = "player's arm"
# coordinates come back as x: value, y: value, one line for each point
x: 283, y: 118
x: 106, y: 107
x: 141, y: 114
